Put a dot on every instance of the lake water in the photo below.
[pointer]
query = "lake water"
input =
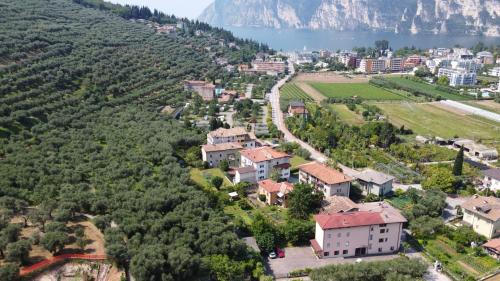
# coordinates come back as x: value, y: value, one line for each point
x: 297, y: 39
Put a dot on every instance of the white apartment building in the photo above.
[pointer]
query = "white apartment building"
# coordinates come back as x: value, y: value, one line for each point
x: 458, y: 77
x: 234, y: 135
x: 376, y: 228
x: 483, y: 215
x: 265, y: 160
x: 328, y: 180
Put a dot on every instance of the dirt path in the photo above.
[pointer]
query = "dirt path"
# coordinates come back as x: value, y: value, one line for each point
x: 470, y: 269
x: 315, y: 94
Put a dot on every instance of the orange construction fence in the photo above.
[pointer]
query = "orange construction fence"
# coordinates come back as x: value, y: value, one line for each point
x: 48, y: 262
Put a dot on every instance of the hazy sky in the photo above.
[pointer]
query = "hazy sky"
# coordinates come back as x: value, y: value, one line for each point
x: 182, y: 8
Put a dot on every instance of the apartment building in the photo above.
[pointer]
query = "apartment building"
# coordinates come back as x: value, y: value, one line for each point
x: 483, y: 215
x: 265, y: 161
x: 269, y: 66
x: 458, y: 77
x: 205, y: 89
x: 413, y: 61
x: 371, y: 66
x: 328, y: 180
x: 396, y: 64
x: 485, y: 57
x: 375, y: 228
x: 234, y: 135
x: 213, y: 154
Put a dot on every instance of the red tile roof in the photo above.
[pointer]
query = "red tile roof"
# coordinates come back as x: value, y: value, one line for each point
x: 349, y: 219
x: 315, y: 246
x: 273, y: 187
x: 324, y: 173
x: 264, y: 153
x: 493, y: 244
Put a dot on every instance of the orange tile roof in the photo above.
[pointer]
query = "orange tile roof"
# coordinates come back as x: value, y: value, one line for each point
x: 349, y: 219
x: 274, y: 187
x: 493, y: 244
x: 221, y: 147
x: 324, y: 173
x: 264, y: 153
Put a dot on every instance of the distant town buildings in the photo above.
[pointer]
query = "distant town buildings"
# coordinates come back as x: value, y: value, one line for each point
x: 371, y: 66
x: 485, y: 58
x: 270, y: 67
x: 495, y: 71
x: 205, y: 89
x: 458, y: 77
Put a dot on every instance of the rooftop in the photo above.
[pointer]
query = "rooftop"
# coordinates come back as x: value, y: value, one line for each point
x: 297, y: 104
x: 369, y: 175
x: 493, y: 173
x: 221, y: 147
x: 338, y: 204
x: 224, y: 133
x: 274, y: 187
x: 324, y: 173
x: 487, y: 207
x: 264, y: 153
x: 493, y: 244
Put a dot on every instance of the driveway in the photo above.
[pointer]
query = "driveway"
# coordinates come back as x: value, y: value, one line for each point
x: 449, y: 212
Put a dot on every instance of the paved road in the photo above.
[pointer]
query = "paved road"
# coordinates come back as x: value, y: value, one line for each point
x: 279, y: 121
x: 248, y: 93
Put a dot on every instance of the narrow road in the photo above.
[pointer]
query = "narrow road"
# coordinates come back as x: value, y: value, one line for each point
x: 248, y: 93
x: 279, y: 120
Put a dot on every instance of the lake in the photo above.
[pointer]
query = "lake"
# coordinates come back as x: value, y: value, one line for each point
x: 297, y: 39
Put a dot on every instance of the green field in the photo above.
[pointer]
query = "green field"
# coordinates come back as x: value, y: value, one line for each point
x: 362, y: 90
x: 429, y: 119
x: 425, y: 88
x: 291, y: 92
x: 346, y: 115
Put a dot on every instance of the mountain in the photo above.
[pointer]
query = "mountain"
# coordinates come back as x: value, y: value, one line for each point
x: 413, y: 16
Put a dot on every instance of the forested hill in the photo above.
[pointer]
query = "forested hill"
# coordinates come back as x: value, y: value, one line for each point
x: 80, y: 131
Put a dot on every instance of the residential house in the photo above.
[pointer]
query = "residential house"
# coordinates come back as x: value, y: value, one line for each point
x: 265, y: 161
x: 375, y: 228
x: 492, y: 179
x: 205, y: 89
x: 244, y: 174
x: 237, y: 134
x: 213, y: 154
x: 328, y: 180
x: 493, y: 248
x: 483, y: 215
x: 297, y: 108
x: 373, y: 182
x: 276, y: 192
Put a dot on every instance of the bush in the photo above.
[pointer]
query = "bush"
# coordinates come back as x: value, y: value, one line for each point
x: 243, y: 204
x: 217, y: 181
x: 262, y: 197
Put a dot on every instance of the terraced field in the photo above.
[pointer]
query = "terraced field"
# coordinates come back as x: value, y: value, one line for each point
x: 362, y: 90
x: 291, y: 92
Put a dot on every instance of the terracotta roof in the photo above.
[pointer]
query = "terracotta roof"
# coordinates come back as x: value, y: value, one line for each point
x: 487, y: 207
x: 264, y: 153
x: 315, y: 246
x: 298, y: 110
x: 221, y: 147
x: 338, y: 204
x: 324, y: 173
x: 274, y: 187
x: 245, y: 170
x: 223, y: 132
x: 493, y: 244
x: 493, y: 173
x: 389, y: 213
x: 349, y: 219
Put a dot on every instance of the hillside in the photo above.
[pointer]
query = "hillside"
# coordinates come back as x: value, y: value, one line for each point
x: 81, y: 132
x: 400, y: 16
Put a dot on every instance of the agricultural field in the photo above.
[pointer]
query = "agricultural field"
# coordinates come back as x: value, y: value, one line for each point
x: 425, y: 88
x: 291, y: 92
x: 430, y: 119
x: 486, y: 105
x: 346, y: 115
x: 362, y: 90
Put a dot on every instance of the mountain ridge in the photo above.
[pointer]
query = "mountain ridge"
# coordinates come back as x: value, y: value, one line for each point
x: 475, y: 17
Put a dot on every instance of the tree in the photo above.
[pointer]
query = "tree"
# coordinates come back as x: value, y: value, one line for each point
x: 426, y: 227
x: 39, y: 217
x: 81, y: 240
x: 54, y: 241
x: 439, y: 178
x: 217, y: 181
x: 303, y: 200
x: 412, y: 193
x: 9, y: 272
x: 225, y: 269
x: 459, y: 163
x: 275, y: 175
x: 224, y: 165
x: 266, y: 242
x: 443, y: 80
x: 298, y: 232
x: 18, y: 251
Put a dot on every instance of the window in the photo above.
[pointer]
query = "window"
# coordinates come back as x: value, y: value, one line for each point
x: 211, y: 155
x: 387, y: 230
x: 369, y: 246
x: 382, y: 225
x: 328, y: 245
x: 382, y: 230
x: 347, y: 234
x: 371, y: 236
x: 220, y: 155
x: 371, y: 228
x: 379, y: 250
x: 347, y: 244
x: 385, y: 240
x: 339, y: 234
x: 329, y: 235
x: 381, y: 240
x: 336, y: 253
x: 392, y: 248
x: 338, y: 244
x: 261, y: 166
x: 326, y: 254
x: 345, y: 252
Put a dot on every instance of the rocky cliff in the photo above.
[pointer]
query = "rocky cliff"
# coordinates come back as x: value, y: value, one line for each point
x: 415, y: 16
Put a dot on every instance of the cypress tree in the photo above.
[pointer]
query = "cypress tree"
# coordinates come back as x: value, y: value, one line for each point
x: 459, y: 163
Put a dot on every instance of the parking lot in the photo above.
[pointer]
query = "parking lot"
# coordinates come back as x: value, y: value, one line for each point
x: 303, y: 257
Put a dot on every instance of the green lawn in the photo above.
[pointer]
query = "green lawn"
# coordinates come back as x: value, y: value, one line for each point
x: 203, y: 177
x: 291, y: 92
x: 348, y: 116
x: 425, y: 88
x: 362, y: 90
x: 429, y: 119
x: 297, y: 161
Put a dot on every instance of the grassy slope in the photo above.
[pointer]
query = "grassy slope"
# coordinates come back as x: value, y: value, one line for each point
x: 346, y: 115
x: 345, y: 90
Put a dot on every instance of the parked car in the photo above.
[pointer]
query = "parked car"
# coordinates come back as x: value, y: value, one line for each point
x: 272, y: 255
x: 280, y: 253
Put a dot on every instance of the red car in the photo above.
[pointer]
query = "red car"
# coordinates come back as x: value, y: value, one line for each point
x: 280, y: 253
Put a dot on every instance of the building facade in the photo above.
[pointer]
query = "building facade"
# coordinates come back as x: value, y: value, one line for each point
x: 491, y: 179
x: 458, y: 77
x: 370, y: 66
x: 325, y: 179
x: 233, y: 135
x: 205, y: 89
x: 276, y: 193
x: 373, y: 182
x: 483, y: 215
x: 265, y: 161
x: 213, y: 154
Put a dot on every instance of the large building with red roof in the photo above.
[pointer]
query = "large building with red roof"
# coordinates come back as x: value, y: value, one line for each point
x: 265, y: 161
x: 328, y: 180
x: 369, y: 229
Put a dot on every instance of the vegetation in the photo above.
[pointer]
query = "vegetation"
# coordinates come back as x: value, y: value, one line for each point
x: 458, y: 165
x: 302, y: 201
x: 360, y: 90
x: 291, y: 92
x: 397, y: 269
x: 415, y: 153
